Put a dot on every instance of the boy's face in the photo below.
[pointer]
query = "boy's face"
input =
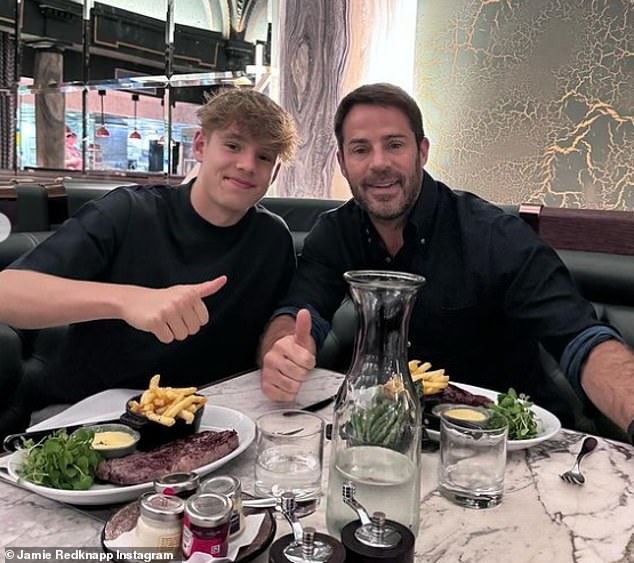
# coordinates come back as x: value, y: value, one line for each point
x: 235, y: 173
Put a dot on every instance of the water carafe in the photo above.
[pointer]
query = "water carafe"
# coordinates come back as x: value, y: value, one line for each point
x: 376, y: 432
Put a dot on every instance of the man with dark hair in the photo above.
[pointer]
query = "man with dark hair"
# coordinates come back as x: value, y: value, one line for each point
x: 494, y: 290
x: 138, y: 273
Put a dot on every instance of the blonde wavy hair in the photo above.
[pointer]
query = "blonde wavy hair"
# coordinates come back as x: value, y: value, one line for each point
x: 254, y: 114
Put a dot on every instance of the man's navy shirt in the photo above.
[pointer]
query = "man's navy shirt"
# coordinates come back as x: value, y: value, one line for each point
x: 493, y: 289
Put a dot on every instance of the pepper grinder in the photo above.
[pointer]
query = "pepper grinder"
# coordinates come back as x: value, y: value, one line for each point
x: 374, y: 539
x: 304, y: 545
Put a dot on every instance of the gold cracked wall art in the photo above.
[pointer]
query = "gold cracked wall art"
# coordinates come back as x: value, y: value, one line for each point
x: 530, y: 101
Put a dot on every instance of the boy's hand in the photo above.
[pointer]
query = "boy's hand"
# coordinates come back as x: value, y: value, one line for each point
x: 173, y: 313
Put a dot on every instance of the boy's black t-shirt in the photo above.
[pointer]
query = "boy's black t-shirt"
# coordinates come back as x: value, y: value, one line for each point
x: 151, y: 236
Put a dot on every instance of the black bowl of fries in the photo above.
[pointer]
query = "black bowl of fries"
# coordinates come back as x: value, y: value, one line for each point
x: 430, y: 385
x: 164, y: 414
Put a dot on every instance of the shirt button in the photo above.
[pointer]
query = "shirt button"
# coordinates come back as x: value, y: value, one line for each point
x: 388, y: 259
x: 423, y: 241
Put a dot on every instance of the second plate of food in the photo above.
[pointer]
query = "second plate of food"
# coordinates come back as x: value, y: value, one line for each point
x: 547, y: 423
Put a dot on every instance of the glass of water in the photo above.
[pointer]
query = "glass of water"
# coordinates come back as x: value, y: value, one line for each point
x: 289, y: 454
x: 472, y: 458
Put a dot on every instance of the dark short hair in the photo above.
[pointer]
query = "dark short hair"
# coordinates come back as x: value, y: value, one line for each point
x: 380, y: 94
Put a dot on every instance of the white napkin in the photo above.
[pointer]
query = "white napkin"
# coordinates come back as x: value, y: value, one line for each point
x: 252, y: 523
x: 107, y: 405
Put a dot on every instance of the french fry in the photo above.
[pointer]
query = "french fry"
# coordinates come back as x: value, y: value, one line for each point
x: 187, y: 416
x: 413, y: 365
x: 161, y: 419
x: 177, y: 407
x: 164, y: 404
x: 422, y: 368
x: 185, y: 390
x: 146, y: 397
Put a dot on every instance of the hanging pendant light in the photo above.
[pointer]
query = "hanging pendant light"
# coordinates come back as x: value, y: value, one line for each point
x: 135, y: 134
x: 102, y: 131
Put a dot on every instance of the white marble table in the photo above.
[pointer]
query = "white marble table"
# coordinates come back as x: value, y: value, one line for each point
x: 541, y: 518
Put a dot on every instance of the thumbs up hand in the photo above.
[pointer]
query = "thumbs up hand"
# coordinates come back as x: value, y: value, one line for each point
x: 173, y: 313
x: 286, y: 365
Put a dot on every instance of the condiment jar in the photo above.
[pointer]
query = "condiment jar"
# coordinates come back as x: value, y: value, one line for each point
x: 206, y: 525
x: 230, y: 487
x: 160, y: 521
x: 182, y: 485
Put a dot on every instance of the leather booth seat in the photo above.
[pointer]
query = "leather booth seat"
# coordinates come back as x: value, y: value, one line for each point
x: 605, y: 279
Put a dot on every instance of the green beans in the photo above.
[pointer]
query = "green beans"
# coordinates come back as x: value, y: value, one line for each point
x: 380, y: 423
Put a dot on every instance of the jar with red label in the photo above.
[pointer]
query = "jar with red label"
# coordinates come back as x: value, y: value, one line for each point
x: 182, y: 485
x: 206, y: 525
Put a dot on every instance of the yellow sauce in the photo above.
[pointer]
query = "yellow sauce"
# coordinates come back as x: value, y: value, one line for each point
x: 465, y: 414
x: 109, y: 440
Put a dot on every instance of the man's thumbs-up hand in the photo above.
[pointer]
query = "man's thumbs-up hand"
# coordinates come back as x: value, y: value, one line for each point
x: 287, y: 363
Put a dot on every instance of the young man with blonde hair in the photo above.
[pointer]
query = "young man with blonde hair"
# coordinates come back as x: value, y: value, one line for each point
x: 157, y: 279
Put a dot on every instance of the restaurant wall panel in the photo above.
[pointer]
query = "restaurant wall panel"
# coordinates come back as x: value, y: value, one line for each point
x: 326, y: 49
x: 530, y: 101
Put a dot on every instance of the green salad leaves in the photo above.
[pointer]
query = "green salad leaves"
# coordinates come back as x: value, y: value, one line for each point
x: 516, y: 411
x: 61, y: 461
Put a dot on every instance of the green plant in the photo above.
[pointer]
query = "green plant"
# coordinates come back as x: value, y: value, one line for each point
x: 517, y: 412
x: 61, y: 461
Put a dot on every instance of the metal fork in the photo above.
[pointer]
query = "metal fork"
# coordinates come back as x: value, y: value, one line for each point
x: 575, y: 476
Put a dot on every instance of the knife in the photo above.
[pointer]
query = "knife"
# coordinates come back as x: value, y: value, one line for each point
x: 314, y: 407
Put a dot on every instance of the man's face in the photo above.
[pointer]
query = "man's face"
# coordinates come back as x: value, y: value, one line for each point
x: 381, y: 161
x: 235, y: 173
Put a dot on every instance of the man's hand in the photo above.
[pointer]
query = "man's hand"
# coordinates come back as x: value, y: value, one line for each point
x: 173, y: 313
x: 286, y: 364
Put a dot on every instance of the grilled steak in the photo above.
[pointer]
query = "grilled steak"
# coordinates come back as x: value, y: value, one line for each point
x: 453, y: 394
x: 184, y: 454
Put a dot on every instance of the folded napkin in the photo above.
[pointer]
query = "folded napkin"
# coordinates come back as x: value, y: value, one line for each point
x: 125, y: 542
x: 107, y: 405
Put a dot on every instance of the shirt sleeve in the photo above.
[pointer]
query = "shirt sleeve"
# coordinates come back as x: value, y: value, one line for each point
x: 576, y: 352
x: 318, y: 283
x: 85, y: 245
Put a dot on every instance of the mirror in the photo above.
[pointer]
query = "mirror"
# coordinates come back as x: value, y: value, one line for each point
x: 134, y: 70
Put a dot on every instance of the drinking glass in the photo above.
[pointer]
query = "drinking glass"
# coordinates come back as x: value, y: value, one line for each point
x: 472, y: 462
x: 289, y: 454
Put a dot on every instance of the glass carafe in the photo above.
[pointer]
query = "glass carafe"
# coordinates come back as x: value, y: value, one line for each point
x: 376, y: 432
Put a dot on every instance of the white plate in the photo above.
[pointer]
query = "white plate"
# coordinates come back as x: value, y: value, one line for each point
x: 214, y: 418
x: 547, y: 423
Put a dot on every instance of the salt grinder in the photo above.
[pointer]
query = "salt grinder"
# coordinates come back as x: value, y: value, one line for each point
x: 373, y: 538
x: 304, y: 545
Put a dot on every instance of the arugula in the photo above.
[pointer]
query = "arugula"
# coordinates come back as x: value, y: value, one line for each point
x: 61, y: 461
x: 516, y: 411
